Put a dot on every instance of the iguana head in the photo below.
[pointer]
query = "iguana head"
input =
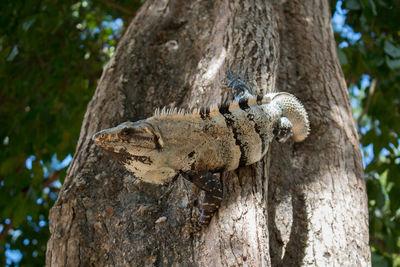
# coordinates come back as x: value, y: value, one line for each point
x: 139, y: 146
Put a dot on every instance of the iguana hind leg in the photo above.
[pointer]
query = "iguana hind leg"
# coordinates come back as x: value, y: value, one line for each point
x: 212, y: 199
x: 240, y: 89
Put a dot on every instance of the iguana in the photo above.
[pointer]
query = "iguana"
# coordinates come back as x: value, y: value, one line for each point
x: 205, y: 141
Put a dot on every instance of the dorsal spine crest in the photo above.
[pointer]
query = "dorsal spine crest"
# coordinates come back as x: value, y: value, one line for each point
x: 251, y: 101
x: 199, y: 142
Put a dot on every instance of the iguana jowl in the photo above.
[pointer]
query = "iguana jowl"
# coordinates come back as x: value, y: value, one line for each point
x: 206, y: 141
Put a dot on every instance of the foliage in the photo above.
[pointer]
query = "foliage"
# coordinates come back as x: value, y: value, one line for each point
x: 51, y: 56
x: 371, y: 65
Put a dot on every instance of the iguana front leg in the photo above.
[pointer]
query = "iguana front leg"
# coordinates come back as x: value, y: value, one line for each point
x: 283, y: 130
x: 212, y: 199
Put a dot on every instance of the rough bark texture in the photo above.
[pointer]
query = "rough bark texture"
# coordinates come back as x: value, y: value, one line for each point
x: 305, y: 204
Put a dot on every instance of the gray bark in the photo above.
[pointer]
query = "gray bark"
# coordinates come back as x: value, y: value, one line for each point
x: 304, y: 204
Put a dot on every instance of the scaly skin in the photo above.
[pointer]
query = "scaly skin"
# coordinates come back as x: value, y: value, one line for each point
x: 206, y: 141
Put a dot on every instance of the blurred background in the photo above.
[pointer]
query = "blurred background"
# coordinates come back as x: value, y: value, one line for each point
x: 51, y: 57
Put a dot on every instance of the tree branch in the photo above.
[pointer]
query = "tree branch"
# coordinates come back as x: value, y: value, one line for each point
x: 367, y: 104
x: 118, y: 6
x: 52, y: 177
x: 6, y: 228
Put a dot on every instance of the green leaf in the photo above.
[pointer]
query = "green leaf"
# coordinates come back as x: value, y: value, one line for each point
x: 392, y: 63
x: 352, y: 4
x: 10, y: 164
x: 13, y: 54
x: 342, y: 57
x: 27, y: 24
x: 391, y: 49
x: 373, y: 7
x: 19, y: 214
x: 378, y: 260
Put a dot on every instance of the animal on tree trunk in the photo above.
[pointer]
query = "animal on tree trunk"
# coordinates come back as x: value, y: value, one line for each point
x: 204, y: 141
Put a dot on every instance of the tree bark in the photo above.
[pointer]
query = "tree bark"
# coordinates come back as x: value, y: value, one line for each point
x: 304, y: 204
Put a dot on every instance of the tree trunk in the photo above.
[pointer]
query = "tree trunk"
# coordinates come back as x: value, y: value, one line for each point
x: 304, y: 204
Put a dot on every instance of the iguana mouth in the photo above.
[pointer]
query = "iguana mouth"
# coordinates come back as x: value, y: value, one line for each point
x: 135, y: 134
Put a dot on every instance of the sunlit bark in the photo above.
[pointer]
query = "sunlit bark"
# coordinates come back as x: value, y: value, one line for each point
x: 304, y: 204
